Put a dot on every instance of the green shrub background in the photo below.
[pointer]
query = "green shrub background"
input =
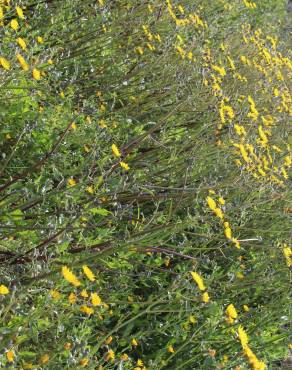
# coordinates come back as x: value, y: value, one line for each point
x: 170, y: 84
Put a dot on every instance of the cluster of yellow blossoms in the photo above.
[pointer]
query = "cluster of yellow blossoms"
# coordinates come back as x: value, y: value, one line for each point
x: 216, y: 208
x: 14, y: 24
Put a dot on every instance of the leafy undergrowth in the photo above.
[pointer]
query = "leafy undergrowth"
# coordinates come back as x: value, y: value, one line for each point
x: 145, y: 184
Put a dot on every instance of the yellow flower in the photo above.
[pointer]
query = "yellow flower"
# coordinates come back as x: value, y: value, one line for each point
x: 221, y: 201
x: 88, y: 310
x: 84, y: 362
x: 72, y: 298
x: 21, y: 43
x: 3, y: 289
x: 124, y: 166
x: 231, y: 311
x: 218, y: 212
x: 246, y: 308
x: 192, y: 320
x: 86, y: 149
x: 19, y: 12
x: 139, y: 362
x: 10, y: 356
x: 242, y: 336
x: 4, y: 63
x: 71, y: 182
x: 228, y: 233
x: 40, y: 40
x: 205, y: 297
x: 211, y: 203
x: 236, y: 243
x: 109, y: 340
x: 116, y: 150
x: 170, y: 349
x: 36, y: 74
x: 95, y: 299
x: 44, y: 359
x: 22, y: 62
x: 220, y: 70
x: 90, y: 189
x: 74, y: 126
x: 70, y: 277
x: 67, y: 345
x: 134, y: 342
x: 110, y: 355
x: 240, y: 275
x: 84, y: 293
x: 89, y: 274
x: 288, y: 253
x: 14, y: 24
x: 55, y: 294
x: 124, y: 357
x: 198, y: 280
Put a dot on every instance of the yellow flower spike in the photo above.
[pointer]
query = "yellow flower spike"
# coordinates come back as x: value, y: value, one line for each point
x: 3, y: 290
x: 72, y: 298
x: 288, y: 254
x: 125, y: 166
x: 115, y: 150
x: 21, y: 43
x: 211, y: 203
x: 228, y: 233
x: 205, y: 297
x: 199, y: 281
x: 89, y: 274
x: 19, y: 12
x: 71, y: 182
x: 70, y: 277
x: 10, y: 356
x: 14, y: 24
x: 87, y: 310
x: 242, y: 336
x: 134, y: 342
x: 236, y: 243
x: 170, y: 349
x: 22, y: 62
x: 218, y: 212
x: 95, y: 299
x: 44, y: 359
x: 231, y: 311
x: 4, y: 63
x: 36, y: 74
x: 220, y: 70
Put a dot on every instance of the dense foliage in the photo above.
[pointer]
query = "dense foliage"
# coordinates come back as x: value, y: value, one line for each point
x: 145, y: 184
